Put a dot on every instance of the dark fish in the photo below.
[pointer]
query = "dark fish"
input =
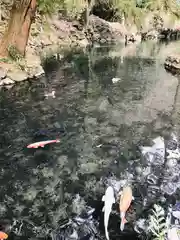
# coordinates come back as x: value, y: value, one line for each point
x: 46, y: 132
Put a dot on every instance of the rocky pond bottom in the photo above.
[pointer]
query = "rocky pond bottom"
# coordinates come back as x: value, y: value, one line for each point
x: 106, y: 128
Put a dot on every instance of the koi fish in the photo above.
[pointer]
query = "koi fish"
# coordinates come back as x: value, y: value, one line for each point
x: 108, y: 200
x: 3, y: 235
x: 41, y: 144
x: 125, y: 202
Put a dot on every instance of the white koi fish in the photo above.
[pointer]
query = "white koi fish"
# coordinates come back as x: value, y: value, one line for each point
x: 108, y: 200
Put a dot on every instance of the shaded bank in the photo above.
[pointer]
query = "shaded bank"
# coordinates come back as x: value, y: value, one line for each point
x: 39, y: 186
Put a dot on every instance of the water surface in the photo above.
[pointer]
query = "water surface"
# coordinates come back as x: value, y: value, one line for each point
x: 100, y: 125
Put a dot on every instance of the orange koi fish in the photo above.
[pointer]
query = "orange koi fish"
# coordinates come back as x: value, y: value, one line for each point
x: 125, y: 202
x: 3, y: 235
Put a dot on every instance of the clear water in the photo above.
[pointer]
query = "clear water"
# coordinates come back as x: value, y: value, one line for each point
x: 100, y: 124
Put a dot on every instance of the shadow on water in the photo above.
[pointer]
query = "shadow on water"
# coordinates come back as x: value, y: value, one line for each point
x: 38, y: 186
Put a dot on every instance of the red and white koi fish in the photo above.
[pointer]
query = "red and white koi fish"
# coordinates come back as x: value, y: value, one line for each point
x: 42, y: 144
x: 125, y: 202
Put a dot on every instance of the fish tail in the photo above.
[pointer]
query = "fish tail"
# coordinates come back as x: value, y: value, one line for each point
x: 122, y: 216
x: 122, y: 226
x: 57, y: 140
x: 107, y: 234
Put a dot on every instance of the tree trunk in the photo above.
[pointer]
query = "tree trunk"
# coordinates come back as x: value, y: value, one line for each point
x: 17, y: 33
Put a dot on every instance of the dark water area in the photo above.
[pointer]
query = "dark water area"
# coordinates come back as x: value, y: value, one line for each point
x: 101, y: 125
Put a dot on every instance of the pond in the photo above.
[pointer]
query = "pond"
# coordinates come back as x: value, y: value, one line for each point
x: 100, y: 124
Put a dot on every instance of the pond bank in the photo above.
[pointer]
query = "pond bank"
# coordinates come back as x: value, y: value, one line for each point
x: 172, y: 64
x: 50, y: 35
x: 53, y: 36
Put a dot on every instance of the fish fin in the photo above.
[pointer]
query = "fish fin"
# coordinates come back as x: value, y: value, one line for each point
x: 42, y: 146
x: 133, y: 198
x: 103, y: 198
x: 103, y: 209
x: 122, y: 226
x: 123, y: 222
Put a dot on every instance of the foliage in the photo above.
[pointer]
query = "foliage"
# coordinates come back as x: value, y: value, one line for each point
x: 113, y: 10
x: 71, y: 8
x: 168, y: 6
x: 74, y: 7
x: 157, y: 225
x: 5, y: 60
x: 14, y: 54
x: 48, y: 6
x: 129, y: 10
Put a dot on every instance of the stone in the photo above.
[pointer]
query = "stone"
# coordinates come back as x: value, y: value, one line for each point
x: 36, y: 71
x: 32, y: 60
x: 102, y: 31
x: 45, y: 41
x: 83, y: 43
x: 6, y: 81
x: 17, y: 75
x: 2, y: 73
x: 39, y: 71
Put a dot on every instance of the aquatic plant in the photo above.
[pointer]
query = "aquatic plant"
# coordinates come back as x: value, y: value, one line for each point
x: 157, y: 225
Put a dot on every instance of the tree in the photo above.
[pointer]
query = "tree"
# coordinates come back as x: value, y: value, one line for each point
x: 17, y: 33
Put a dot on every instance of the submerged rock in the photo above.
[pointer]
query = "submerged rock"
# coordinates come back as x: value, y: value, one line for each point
x: 172, y: 64
x: 6, y: 81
